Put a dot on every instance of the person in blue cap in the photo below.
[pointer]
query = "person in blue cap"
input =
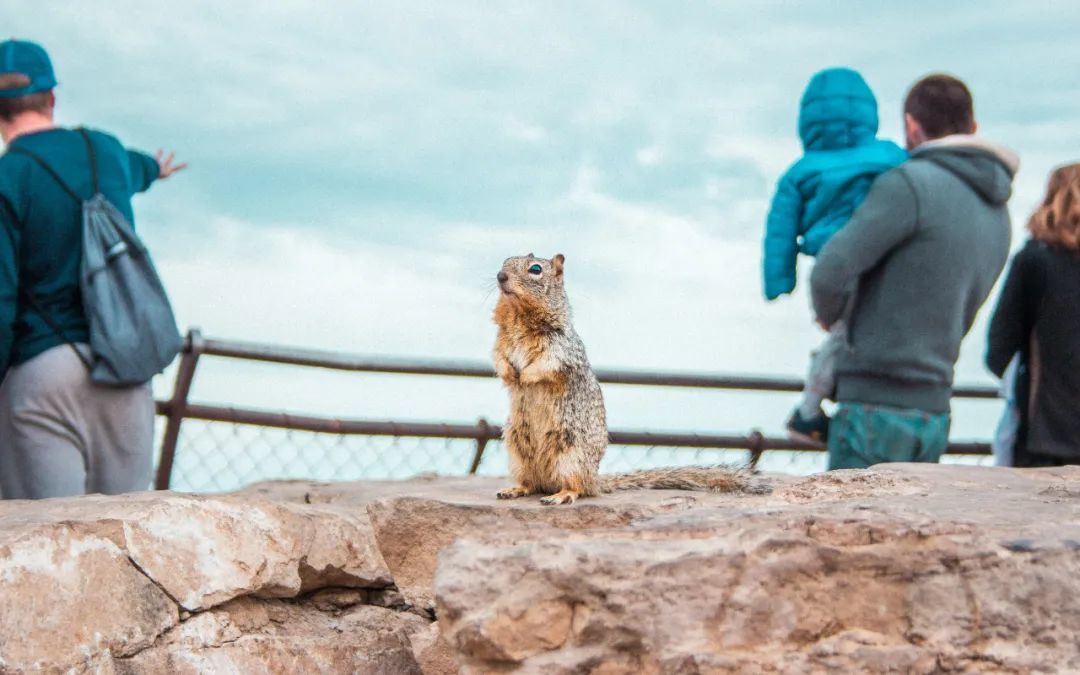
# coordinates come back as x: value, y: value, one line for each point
x: 60, y: 434
x: 838, y: 124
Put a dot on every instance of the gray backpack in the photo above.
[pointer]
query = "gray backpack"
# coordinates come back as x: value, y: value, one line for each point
x: 133, y: 333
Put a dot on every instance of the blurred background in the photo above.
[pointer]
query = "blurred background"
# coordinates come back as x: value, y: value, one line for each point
x: 360, y: 170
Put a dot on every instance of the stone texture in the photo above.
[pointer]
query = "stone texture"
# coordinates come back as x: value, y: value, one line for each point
x: 276, y: 636
x: 433, y: 654
x: 898, y: 569
x: 206, y: 552
x: 412, y: 530
x: 42, y: 570
x: 89, y: 580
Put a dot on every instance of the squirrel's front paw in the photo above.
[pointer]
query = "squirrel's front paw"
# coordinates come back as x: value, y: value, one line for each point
x: 506, y: 372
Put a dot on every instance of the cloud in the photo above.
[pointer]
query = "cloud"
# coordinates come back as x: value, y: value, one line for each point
x: 649, y: 156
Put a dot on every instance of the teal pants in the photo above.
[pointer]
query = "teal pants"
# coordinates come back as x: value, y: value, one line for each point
x: 862, y: 435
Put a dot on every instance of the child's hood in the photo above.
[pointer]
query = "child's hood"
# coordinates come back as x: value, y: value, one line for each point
x: 837, y: 111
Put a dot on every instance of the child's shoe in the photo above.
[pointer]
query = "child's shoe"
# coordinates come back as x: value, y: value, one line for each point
x: 812, y: 430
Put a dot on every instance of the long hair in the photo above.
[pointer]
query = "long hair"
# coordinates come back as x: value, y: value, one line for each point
x: 1057, y: 220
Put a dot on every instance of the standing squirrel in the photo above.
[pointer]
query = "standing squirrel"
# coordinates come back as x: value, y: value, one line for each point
x: 557, y: 431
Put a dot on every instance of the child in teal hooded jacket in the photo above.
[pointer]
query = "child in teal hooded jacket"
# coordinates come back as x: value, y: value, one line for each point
x: 838, y: 124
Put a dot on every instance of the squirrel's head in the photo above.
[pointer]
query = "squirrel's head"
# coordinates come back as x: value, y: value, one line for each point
x: 531, y: 289
x: 527, y: 275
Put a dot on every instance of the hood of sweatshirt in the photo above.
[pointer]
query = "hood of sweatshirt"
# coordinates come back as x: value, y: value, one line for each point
x: 987, y: 167
x: 837, y: 111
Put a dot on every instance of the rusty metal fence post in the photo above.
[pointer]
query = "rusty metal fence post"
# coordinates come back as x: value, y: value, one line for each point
x: 176, y: 407
x: 482, y: 436
x: 756, y: 446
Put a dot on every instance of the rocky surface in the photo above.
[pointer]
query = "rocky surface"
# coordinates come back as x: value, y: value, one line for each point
x: 897, y: 569
x: 432, y: 519
x: 98, y: 584
x: 914, y: 569
x: 274, y: 636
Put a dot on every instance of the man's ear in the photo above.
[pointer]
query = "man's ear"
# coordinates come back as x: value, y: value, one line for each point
x: 913, y: 132
x: 558, y: 261
x: 910, y: 123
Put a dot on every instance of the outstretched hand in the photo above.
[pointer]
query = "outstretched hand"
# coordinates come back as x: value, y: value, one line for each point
x: 166, y: 167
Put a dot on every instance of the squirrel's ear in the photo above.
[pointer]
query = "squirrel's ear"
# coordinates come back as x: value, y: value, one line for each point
x: 558, y: 261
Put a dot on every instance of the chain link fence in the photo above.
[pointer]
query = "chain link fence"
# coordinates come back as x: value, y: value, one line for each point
x: 224, y: 456
x: 216, y: 456
x: 221, y: 456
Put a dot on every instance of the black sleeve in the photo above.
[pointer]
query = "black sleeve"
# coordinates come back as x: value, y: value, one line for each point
x: 1014, y: 316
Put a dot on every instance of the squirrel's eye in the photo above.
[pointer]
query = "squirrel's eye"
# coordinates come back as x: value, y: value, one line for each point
x: 535, y: 269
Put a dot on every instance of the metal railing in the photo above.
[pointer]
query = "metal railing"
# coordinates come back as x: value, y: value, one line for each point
x: 179, y: 408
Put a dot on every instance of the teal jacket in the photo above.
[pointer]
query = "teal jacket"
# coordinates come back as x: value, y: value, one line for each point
x: 838, y: 123
x: 41, y: 237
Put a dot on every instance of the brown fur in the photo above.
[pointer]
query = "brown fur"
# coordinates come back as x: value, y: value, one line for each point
x: 703, y: 478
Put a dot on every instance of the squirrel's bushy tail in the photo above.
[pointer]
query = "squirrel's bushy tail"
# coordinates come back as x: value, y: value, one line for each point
x: 702, y: 478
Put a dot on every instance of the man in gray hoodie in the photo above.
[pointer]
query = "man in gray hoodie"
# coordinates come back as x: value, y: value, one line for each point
x: 909, y: 271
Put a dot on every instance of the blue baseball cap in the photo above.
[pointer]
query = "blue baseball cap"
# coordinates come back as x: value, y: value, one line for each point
x: 20, y: 57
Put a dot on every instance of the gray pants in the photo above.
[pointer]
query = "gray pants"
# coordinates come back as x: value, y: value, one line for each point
x: 63, y: 435
x: 821, y: 378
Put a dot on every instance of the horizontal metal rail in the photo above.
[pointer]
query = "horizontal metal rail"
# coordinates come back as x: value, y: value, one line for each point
x: 314, y: 358
x: 488, y: 432
x: 178, y: 407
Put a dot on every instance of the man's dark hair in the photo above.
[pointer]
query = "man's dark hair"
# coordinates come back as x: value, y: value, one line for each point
x: 10, y: 107
x: 942, y: 105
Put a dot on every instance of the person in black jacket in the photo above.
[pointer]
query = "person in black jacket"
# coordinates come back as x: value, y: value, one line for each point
x: 1038, y: 318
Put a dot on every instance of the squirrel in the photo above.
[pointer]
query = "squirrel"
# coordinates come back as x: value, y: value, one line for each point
x: 557, y: 431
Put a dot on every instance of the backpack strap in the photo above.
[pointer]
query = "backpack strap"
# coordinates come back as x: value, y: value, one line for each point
x: 48, y: 169
x: 90, y: 154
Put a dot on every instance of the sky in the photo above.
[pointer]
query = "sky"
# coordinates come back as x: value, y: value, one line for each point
x: 360, y: 170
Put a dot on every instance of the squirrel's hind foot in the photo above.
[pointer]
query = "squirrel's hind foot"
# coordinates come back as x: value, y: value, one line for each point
x: 561, y: 497
x: 514, y: 492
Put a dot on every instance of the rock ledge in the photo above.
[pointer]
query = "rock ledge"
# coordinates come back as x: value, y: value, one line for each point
x: 902, y: 568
